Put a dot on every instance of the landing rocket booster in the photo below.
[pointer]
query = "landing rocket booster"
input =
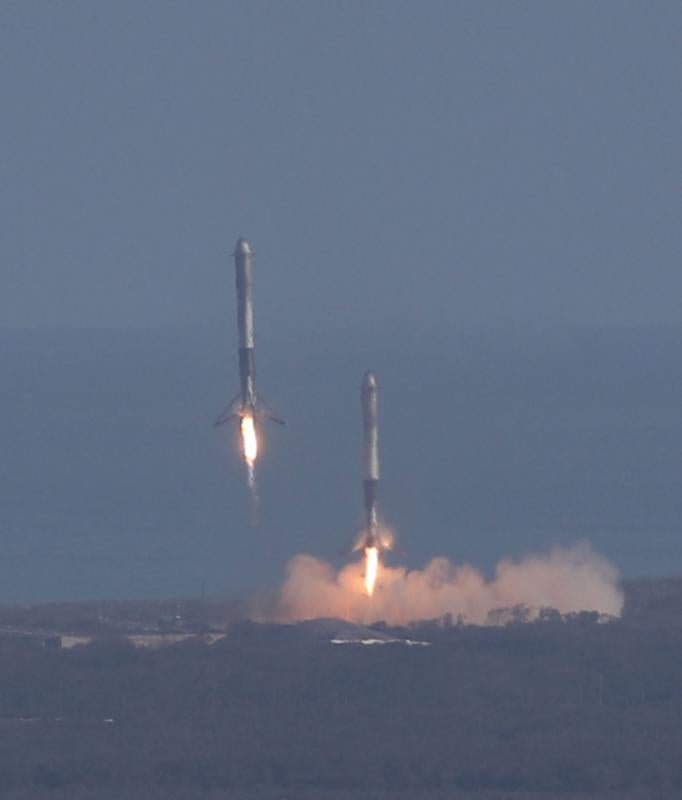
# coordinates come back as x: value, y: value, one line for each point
x: 247, y: 402
x: 370, y: 483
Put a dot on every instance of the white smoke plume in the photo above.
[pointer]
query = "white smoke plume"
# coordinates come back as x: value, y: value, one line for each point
x: 567, y: 580
x: 252, y: 485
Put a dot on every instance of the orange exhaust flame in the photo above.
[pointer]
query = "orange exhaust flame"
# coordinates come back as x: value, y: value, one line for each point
x: 371, y: 569
x: 249, y: 439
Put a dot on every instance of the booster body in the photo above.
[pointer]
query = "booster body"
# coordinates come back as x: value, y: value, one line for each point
x: 243, y: 258
x: 370, y: 483
x: 247, y: 402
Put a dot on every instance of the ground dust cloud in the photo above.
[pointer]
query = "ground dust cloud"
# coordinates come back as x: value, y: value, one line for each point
x: 566, y: 579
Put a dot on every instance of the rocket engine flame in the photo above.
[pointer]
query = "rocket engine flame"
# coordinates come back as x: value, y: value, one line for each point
x: 247, y: 428
x: 371, y: 569
x: 249, y: 440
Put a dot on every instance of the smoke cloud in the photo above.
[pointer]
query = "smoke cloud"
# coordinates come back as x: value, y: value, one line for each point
x: 568, y: 580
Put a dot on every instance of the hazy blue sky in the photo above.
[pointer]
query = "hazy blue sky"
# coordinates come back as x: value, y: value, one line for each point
x: 449, y: 193
x: 434, y: 163
x: 114, y: 483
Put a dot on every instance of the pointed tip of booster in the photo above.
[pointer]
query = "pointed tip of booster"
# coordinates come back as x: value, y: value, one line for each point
x: 369, y: 380
x: 243, y: 248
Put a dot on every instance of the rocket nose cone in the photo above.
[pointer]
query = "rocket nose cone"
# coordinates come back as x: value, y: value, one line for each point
x: 369, y: 380
x: 243, y: 248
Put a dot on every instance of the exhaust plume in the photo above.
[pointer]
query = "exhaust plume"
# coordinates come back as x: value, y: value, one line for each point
x: 249, y: 437
x: 371, y: 569
x: 568, y: 580
x: 249, y: 440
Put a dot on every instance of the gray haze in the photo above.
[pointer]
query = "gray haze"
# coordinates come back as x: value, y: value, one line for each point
x: 114, y: 482
x: 480, y: 201
x: 421, y: 163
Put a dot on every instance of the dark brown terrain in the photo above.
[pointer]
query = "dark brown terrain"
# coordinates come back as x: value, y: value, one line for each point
x: 560, y: 708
